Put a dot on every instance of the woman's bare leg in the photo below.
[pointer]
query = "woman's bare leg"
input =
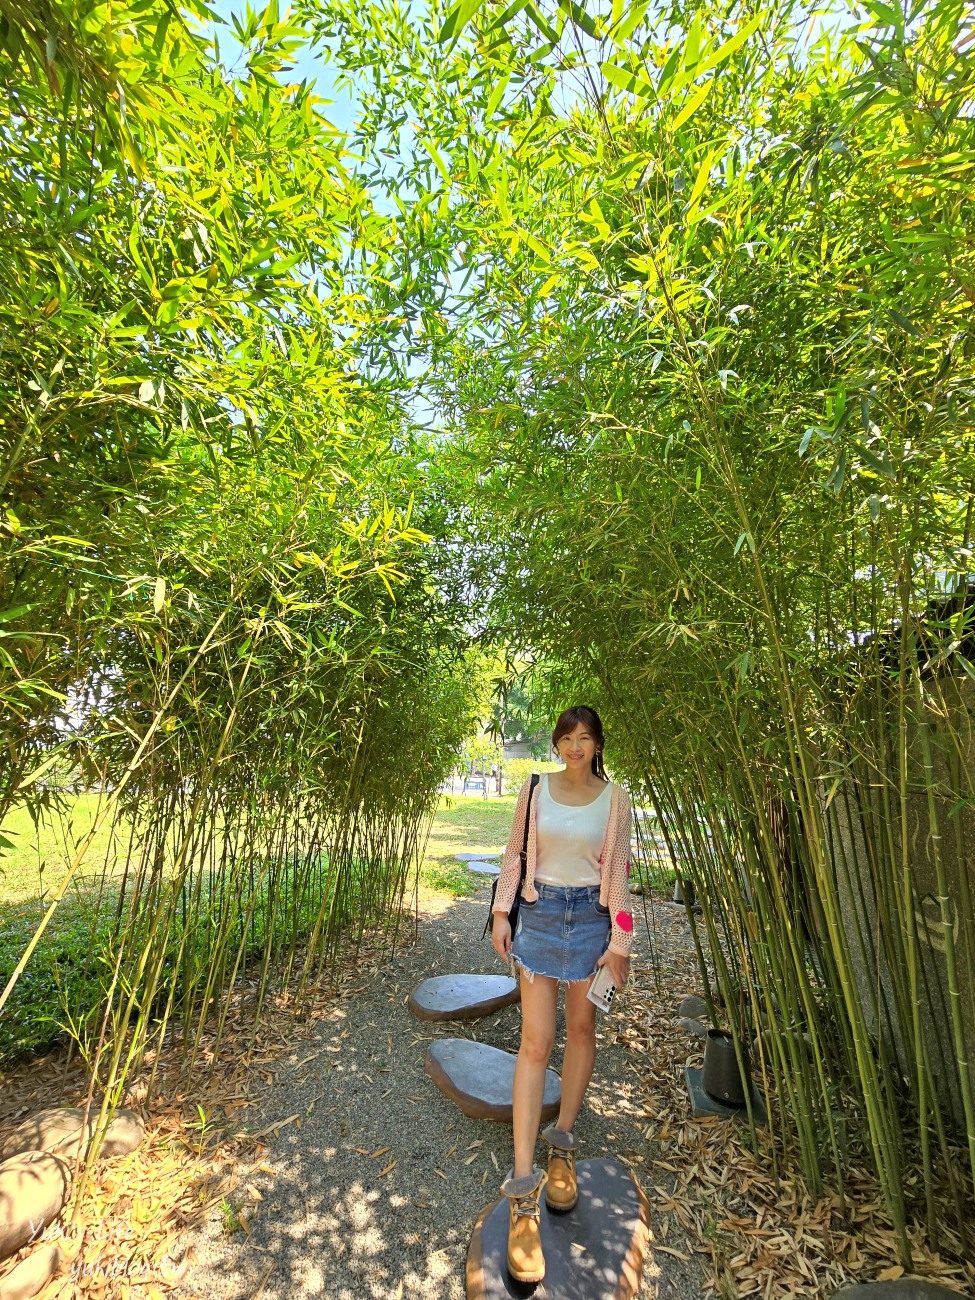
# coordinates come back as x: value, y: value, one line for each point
x: 580, y: 1052
x: 539, y: 998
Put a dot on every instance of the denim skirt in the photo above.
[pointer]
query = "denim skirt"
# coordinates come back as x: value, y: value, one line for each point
x: 563, y: 934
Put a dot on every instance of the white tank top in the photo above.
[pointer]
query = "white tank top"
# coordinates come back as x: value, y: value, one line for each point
x: 570, y: 840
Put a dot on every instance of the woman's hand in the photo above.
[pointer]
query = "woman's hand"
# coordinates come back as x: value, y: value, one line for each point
x: 619, y: 966
x: 501, y: 935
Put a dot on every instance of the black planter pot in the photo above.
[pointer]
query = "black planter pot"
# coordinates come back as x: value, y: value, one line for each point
x: 684, y: 890
x: 721, y: 1078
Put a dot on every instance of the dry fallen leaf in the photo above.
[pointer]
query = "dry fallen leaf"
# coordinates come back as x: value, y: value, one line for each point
x: 669, y: 1250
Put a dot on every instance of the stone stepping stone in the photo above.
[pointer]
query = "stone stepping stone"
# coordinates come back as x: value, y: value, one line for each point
x: 479, y: 1079
x: 485, y: 868
x: 462, y: 997
x: 476, y: 857
x: 594, y: 1253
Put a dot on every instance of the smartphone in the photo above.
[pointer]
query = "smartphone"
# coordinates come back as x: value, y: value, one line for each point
x: 602, y: 990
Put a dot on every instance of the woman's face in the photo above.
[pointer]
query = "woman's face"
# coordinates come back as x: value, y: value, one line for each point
x: 577, y: 747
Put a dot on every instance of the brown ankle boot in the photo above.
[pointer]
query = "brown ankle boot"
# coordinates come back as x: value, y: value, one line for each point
x: 562, y: 1189
x: 526, y: 1263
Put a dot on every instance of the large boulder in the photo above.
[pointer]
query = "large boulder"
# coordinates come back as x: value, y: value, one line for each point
x: 694, y: 1008
x: 31, y: 1274
x: 125, y: 1131
x: 56, y: 1130
x: 61, y: 1130
x: 33, y: 1189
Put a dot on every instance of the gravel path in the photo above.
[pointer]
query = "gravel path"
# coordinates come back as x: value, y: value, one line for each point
x: 374, y: 1197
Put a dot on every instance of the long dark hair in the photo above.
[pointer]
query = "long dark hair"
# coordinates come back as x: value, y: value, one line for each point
x: 569, y: 720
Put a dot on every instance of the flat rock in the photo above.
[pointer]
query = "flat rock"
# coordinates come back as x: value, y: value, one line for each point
x: 696, y: 1027
x: 477, y: 857
x: 33, y: 1189
x: 485, y: 868
x: 462, y: 997
x: 60, y: 1130
x: 479, y: 1079
x: 31, y: 1274
x: 694, y: 1008
x: 594, y: 1253
x: 905, y: 1288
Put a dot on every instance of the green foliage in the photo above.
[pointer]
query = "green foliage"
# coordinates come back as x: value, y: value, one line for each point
x: 229, y: 1217
x: 218, y: 594
x: 691, y: 295
x: 62, y: 994
x: 62, y: 985
x: 697, y: 305
x: 453, y: 878
x: 518, y: 770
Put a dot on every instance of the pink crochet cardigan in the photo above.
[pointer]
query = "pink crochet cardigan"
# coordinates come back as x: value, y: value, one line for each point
x: 614, y: 862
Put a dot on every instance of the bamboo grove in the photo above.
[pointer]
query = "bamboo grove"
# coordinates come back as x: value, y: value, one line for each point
x: 219, y: 614
x: 689, y: 292
x: 698, y: 306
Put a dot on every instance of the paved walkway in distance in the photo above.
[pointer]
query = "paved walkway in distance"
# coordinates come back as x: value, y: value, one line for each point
x: 375, y: 1195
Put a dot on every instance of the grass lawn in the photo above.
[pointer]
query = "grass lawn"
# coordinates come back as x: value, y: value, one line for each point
x: 465, y: 823
x: 38, y: 856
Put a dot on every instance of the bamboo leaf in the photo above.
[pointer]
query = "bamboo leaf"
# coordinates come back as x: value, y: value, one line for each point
x: 702, y: 178
x: 693, y: 104
x: 631, y: 82
x: 880, y: 464
x: 721, y: 55
x: 438, y: 161
x: 38, y: 772
x: 457, y: 19
x: 18, y: 611
x: 905, y: 324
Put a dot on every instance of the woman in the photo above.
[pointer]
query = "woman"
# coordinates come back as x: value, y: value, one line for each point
x: 574, y: 917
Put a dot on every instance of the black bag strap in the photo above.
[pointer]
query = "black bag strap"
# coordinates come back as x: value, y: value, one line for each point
x: 524, y: 857
x: 524, y: 839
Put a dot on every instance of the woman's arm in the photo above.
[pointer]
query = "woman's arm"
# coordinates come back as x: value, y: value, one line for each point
x: 618, y: 895
x: 617, y: 955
